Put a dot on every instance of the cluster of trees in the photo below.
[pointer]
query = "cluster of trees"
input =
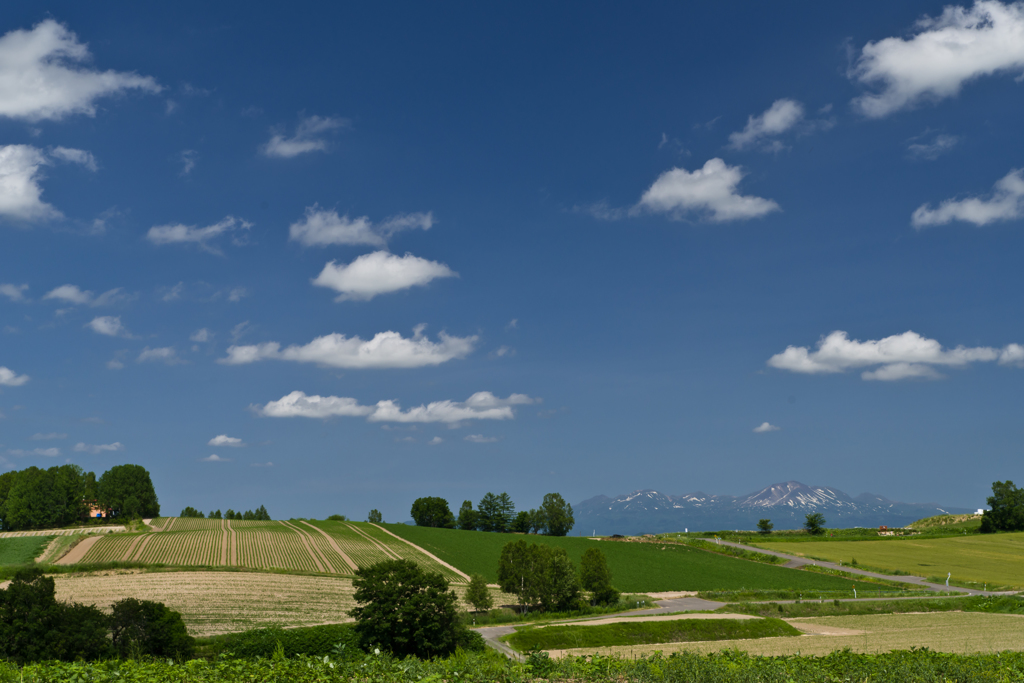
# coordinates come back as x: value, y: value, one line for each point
x: 1007, y: 513
x: 260, y: 515
x: 373, y: 517
x: 35, y: 498
x: 35, y: 626
x: 544, y: 577
x: 814, y: 524
x: 497, y: 513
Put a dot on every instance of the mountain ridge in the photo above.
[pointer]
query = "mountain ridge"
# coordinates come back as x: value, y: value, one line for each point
x: 785, y: 503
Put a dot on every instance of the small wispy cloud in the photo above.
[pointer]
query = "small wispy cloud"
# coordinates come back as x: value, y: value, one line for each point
x: 765, y: 427
x: 480, y: 438
x: 98, y: 448
x: 213, y: 457
x: 310, y: 136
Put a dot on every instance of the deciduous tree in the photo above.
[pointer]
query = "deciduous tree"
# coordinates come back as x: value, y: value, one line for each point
x: 478, y: 594
x: 1007, y: 513
x: 764, y: 526
x: 557, y: 515
x: 375, y: 517
x: 597, y: 578
x: 405, y: 611
x: 129, y: 490
x: 433, y: 512
x: 814, y: 523
x: 145, y: 627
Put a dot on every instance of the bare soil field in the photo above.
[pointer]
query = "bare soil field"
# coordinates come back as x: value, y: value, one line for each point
x: 942, y: 631
x: 224, y: 602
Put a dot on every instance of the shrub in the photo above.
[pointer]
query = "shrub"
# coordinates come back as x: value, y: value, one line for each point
x: 145, y: 627
x: 478, y: 594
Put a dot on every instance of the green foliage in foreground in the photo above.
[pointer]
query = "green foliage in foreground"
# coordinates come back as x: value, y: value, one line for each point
x: 724, y: 667
x: 333, y: 640
x: 22, y: 550
x: 647, y: 632
x: 636, y: 567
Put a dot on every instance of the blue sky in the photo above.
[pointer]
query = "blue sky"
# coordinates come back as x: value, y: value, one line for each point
x: 367, y: 254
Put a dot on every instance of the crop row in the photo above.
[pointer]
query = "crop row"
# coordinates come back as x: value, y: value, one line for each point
x: 196, y: 524
x: 408, y: 552
x: 261, y: 549
x: 187, y: 548
x: 357, y: 547
x: 111, y: 548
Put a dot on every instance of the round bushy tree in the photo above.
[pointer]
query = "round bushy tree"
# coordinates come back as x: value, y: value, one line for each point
x: 145, y: 627
x: 557, y: 515
x: 405, y: 611
x: 432, y: 511
x: 814, y: 523
x: 128, y: 489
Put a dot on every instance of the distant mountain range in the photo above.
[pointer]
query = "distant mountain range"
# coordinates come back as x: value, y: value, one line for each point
x: 786, y: 505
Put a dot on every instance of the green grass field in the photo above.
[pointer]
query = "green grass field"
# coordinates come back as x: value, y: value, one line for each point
x: 21, y: 550
x: 635, y: 567
x: 647, y: 632
x: 992, y: 558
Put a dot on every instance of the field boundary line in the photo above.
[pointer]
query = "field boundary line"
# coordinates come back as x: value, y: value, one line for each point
x: 169, y: 524
x: 131, y: 549
x: 142, y: 546
x: 430, y: 555
x: 334, y: 544
x: 224, y: 543
x: 78, y: 552
x: 309, y: 547
x: 383, y: 548
x: 234, y: 543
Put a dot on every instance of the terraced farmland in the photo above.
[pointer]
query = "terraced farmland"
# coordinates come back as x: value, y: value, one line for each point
x: 321, y: 547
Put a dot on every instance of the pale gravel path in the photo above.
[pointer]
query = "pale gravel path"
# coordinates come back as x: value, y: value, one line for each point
x: 79, y: 551
x: 377, y: 544
x: 430, y: 555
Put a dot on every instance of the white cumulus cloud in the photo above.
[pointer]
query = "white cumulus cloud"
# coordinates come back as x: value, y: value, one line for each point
x: 765, y: 427
x: 385, y: 350
x: 480, y: 438
x: 710, y: 192
x: 14, y: 292
x: 166, y: 355
x: 901, y: 356
x: 435, y: 441
x: 379, y: 273
x: 178, y: 233
x: 310, y: 136
x: 323, y: 227
x: 95, y: 449
x: 20, y: 193
x: 109, y: 325
x: 75, y: 156
x: 945, y: 52
x: 9, y: 378
x: 42, y: 75
x: 201, y: 335
x: 213, y: 457
x: 1005, y: 203
x: 777, y: 119
x: 482, y: 405
x: 225, y: 440
x: 73, y: 295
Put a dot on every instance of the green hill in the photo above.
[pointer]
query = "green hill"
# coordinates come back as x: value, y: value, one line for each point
x: 635, y: 567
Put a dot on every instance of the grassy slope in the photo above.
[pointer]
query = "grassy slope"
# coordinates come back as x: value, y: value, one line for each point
x: 22, y: 550
x: 647, y: 632
x: 994, y: 558
x: 635, y: 567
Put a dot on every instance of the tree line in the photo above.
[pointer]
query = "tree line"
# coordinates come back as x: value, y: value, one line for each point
x: 260, y: 515
x: 497, y: 513
x: 36, y: 498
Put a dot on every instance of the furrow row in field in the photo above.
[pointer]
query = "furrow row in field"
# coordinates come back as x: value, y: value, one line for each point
x: 325, y: 546
x: 263, y: 549
x: 409, y: 552
x: 348, y: 564
x: 188, y: 548
x: 110, y: 548
x: 321, y: 563
x: 362, y: 553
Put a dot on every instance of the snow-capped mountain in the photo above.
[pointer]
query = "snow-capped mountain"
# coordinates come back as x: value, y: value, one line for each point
x: 786, y: 504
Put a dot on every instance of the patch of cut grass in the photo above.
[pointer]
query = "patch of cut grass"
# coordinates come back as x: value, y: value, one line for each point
x: 973, y: 560
x: 647, y: 632
x: 22, y: 550
x: 635, y: 567
x: 1010, y: 604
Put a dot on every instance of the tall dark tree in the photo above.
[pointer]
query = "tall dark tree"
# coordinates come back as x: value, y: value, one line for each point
x: 495, y: 513
x: 129, y: 490
x: 468, y: 518
x: 1007, y: 513
x: 521, y: 524
x: 433, y: 512
x: 262, y: 515
x: 190, y: 512
x: 557, y: 515
x: 597, y: 578
x: 405, y: 611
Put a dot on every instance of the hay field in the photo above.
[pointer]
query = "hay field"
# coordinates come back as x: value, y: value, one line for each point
x: 991, y: 558
x: 961, y: 632
x: 213, y: 602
